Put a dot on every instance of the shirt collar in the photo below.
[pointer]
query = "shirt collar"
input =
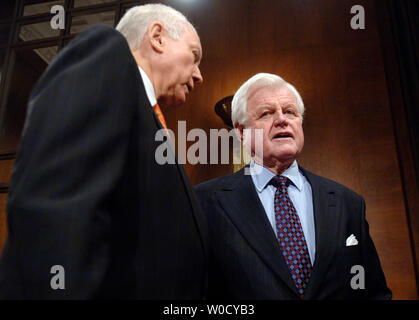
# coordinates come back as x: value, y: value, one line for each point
x: 262, y: 179
x: 149, y: 89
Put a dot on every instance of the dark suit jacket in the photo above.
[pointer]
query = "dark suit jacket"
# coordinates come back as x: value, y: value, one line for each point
x: 246, y: 260
x: 88, y: 194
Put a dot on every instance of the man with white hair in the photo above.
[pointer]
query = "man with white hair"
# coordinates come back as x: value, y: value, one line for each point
x: 282, y: 232
x: 91, y: 214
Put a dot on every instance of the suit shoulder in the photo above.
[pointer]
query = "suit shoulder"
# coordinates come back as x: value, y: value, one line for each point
x: 99, y: 38
x: 93, y: 42
x: 332, y: 185
x: 218, y: 183
x: 101, y: 30
x: 93, y: 62
x: 108, y: 47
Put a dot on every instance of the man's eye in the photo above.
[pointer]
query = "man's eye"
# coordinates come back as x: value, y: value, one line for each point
x: 264, y: 114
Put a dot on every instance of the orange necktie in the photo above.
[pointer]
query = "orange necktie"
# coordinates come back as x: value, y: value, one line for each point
x: 160, y: 116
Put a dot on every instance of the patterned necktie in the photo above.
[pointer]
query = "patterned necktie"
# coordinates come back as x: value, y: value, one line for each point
x: 291, y: 236
x: 160, y: 116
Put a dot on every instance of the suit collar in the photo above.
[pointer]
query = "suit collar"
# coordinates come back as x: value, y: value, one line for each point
x: 149, y: 89
x: 263, y: 176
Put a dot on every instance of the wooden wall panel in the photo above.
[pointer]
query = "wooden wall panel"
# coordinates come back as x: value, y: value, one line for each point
x: 3, y: 220
x: 400, y: 118
x: 340, y: 74
x: 6, y: 167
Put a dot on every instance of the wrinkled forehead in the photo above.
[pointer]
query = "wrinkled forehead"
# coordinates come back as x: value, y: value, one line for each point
x: 192, y: 29
x: 275, y: 94
x: 193, y: 33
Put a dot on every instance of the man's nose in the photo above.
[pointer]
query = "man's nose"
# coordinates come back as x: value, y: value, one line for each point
x: 279, y: 118
x: 197, y: 77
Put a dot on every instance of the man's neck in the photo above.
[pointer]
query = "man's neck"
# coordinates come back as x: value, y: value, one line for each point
x: 278, y: 167
x: 145, y: 64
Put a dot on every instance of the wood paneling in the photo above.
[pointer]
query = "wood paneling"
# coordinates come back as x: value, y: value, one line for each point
x: 340, y: 73
x: 3, y: 220
x: 6, y: 170
x: 400, y: 117
x: 27, y: 69
x: 6, y: 167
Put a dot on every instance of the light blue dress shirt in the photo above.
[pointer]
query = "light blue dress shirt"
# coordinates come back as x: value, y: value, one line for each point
x: 300, y: 193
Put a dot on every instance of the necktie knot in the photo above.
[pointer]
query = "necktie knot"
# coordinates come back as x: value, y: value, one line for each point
x: 279, y: 181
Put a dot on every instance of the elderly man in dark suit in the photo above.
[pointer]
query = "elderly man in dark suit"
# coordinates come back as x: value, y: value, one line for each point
x: 91, y: 214
x: 281, y: 232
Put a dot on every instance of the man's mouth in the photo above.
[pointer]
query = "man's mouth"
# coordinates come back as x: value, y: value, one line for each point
x: 282, y: 136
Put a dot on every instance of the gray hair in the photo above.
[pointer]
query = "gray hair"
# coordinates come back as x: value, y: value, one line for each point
x: 136, y: 20
x: 260, y: 80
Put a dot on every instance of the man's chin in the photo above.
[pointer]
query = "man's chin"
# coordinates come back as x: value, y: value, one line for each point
x: 283, y: 157
x: 179, y: 100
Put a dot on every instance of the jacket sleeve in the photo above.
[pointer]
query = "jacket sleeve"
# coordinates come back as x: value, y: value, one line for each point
x: 375, y: 282
x: 70, y: 160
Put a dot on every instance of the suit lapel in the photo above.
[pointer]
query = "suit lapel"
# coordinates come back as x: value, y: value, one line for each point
x: 243, y: 206
x: 196, y: 211
x: 198, y: 215
x: 326, y: 225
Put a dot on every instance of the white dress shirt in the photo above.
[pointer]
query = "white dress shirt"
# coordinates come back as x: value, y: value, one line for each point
x: 149, y: 89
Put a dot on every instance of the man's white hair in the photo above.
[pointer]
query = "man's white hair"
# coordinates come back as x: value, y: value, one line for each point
x: 239, y: 104
x: 136, y: 20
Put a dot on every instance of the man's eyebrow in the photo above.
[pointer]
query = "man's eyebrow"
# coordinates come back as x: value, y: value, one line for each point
x: 264, y: 107
x: 267, y: 106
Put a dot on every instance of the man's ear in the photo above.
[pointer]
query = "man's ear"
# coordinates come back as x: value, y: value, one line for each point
x: 238, y: 128
x: 155, y: 33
